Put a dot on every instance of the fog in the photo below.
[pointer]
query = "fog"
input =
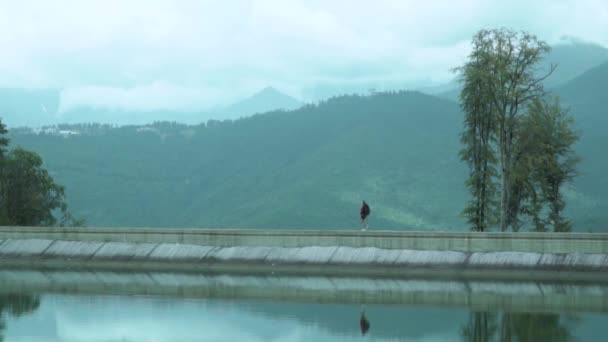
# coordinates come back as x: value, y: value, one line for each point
x: 146, y: 56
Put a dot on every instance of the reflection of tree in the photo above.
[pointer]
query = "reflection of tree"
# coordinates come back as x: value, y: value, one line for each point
x: 516, y: 327
x: 534, y: 327
x: 16, y: 305
x: 480, y: 328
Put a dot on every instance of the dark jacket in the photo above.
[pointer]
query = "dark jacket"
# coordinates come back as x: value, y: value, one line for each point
x: 364, y: 210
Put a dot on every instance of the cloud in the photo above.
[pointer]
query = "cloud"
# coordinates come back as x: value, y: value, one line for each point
x: 123, y: 50
x: 155, y: 96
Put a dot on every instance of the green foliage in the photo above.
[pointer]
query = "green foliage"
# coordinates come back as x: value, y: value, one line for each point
x: 478, y: 139
x: 545, y: 161
x: 499, y: 83
x: 3, y: 140
x: 507, y: 68
x: 29, y: 196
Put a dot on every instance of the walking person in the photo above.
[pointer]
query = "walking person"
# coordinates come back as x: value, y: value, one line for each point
x: 364, y: 214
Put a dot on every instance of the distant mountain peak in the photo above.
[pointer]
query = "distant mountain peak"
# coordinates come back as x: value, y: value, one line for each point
x: 269, y: 90
x: 266, y: 100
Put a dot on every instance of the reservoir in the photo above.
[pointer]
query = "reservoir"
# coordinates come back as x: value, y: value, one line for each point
x: 39, y: 305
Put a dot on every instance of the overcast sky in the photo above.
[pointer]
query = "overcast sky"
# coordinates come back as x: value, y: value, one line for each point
x: 194, y: 54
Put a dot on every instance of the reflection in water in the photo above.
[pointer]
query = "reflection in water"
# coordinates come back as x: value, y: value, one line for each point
x: 16, y: 305
x: 230, y: 316
x: 521, y: 327
x: 481, y: 327
x: 536, y: 327
x: 363, y: 322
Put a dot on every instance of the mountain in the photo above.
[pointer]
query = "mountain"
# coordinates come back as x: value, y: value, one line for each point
x: 307, y: 168
x: 572, y: 60
x: 586, y: 99
x: 34, y: 108
x: 588, y: 89
x: 266, y: 100
x: 441, y: 88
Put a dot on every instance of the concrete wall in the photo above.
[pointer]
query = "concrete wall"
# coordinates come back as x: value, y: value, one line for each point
x: 319, y: 260
x: 392, y: 254
x: 555, y: 243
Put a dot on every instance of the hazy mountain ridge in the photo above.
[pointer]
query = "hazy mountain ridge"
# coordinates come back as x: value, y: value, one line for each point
x: 266, y: 100
x: 35, y: 108
x: 307, y: 168
x: 572, y: 60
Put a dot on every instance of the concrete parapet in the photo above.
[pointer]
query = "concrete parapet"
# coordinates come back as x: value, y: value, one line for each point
x: 554, y: 243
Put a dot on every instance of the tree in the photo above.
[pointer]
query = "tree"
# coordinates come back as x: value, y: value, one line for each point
x: 32, y: 195
x: 28, y: 194
x: 3, y: 140
x: 545, y: 161
x: 478, y: 140
x: 502, y: 65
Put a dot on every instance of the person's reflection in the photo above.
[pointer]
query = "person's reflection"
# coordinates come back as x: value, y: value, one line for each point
x: 363, y: 322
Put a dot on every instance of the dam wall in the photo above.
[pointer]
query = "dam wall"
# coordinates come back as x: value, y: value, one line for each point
x: 469, y: 242
x: 547, y: 256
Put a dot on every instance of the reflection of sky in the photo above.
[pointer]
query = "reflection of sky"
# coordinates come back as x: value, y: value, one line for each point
x: 80, y: 318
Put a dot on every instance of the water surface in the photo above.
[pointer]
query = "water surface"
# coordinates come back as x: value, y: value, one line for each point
x: 62, y: 314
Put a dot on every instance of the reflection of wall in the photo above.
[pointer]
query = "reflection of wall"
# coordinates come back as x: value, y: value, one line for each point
x: 478, y: 295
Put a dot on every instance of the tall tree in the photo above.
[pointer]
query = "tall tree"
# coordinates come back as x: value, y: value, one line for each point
x: 505, y: 65
x: 478, y: 139
x: 545, y: 161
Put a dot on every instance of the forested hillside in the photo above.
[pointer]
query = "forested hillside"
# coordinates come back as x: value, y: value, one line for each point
x: 586, y: 99
x: 308, y: 168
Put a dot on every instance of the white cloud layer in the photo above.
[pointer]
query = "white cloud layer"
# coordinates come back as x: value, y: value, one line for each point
x: 157, y: 54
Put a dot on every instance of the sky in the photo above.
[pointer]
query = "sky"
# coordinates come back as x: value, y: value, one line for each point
x: 194, y: 54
